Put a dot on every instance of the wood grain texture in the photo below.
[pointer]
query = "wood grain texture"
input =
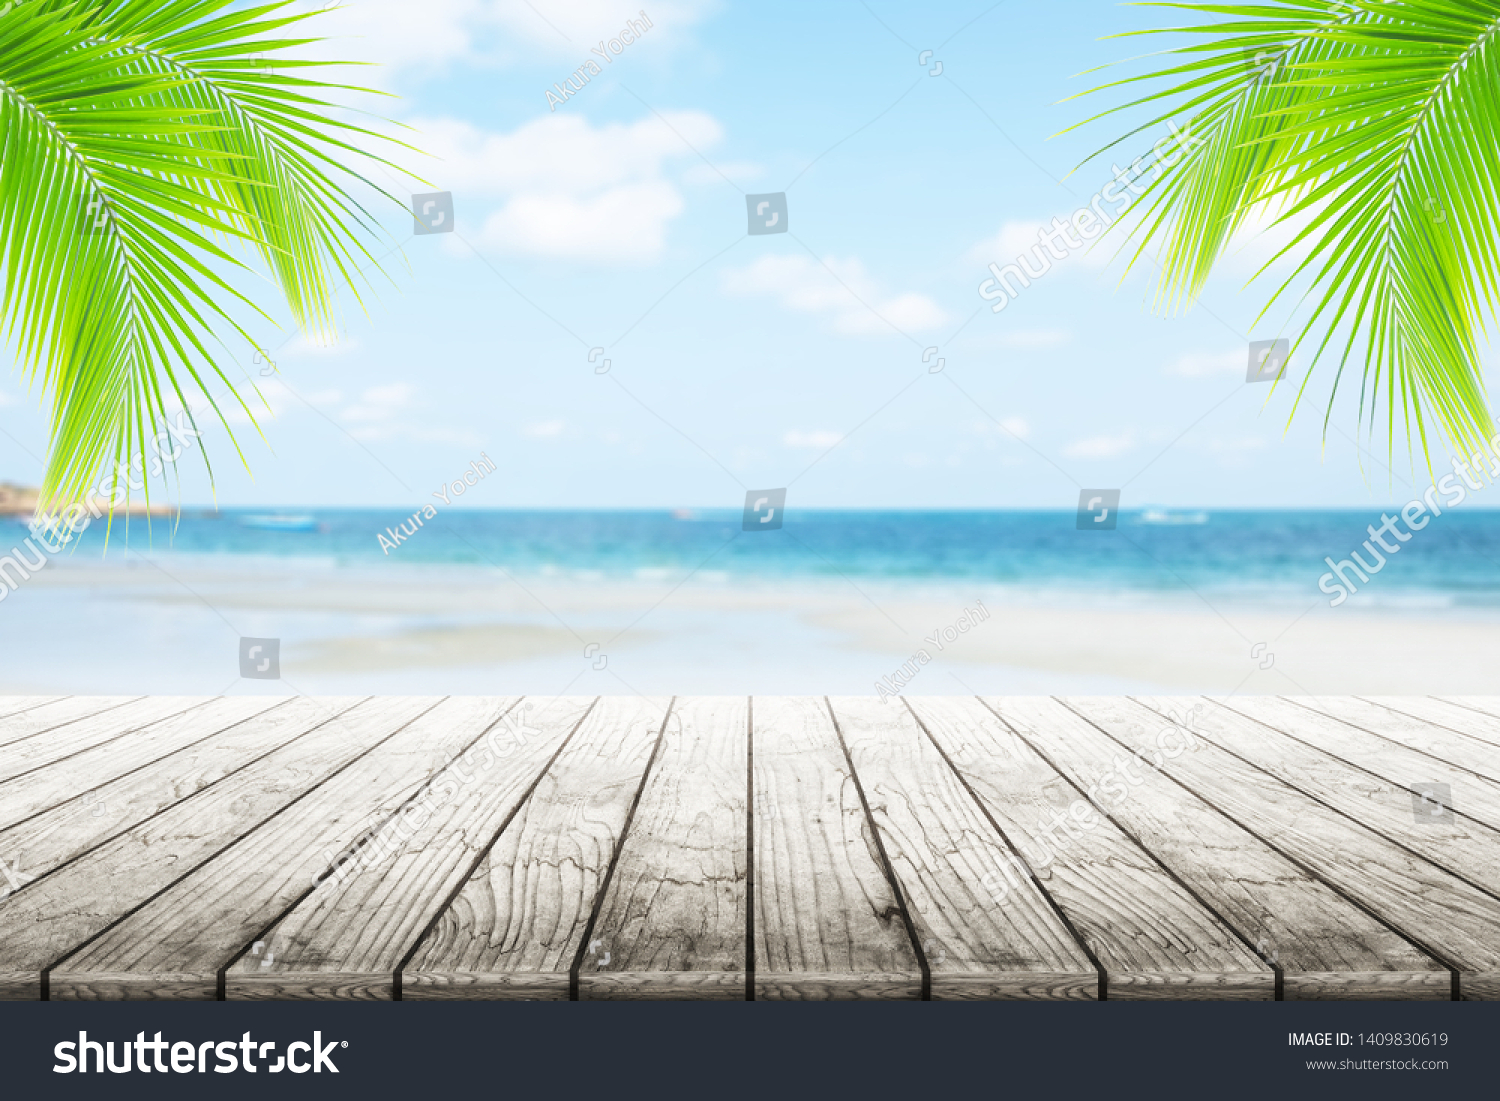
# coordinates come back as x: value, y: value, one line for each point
x: 65, y: 909
x: 14, y: 705
x: 62, y: 781
x: 1372, y: 772
x: 1446, y: 917
x: 61, y: 742
x: 348, y: 939
x: 1153, y: 938
x: 1464, y: 714
x: 177, y: 945
x: 1325, y: 946
x: 518, y: 922
x: 24, y: 722
x: 673, y: 921
x: 1476, y: 716
x: 947, y: 859
x: 827, y: 920
x: 721, y: 848
x: 57, y: 835
x: 1463, y: 750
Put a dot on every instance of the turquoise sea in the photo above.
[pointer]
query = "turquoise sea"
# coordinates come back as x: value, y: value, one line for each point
x: 686, y: 601
x: 1248, y: 553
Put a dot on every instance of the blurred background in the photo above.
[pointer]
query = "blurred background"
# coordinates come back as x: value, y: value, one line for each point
x: 595, y: 321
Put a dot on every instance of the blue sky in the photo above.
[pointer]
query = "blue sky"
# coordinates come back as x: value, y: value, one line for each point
x: 618, y: 220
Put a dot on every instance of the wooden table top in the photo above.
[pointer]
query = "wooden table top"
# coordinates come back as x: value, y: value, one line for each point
x: 470, y: 848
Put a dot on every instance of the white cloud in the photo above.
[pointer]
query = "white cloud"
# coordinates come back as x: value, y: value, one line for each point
x: 545, y: 430
x: 621, y: 225
x: 803, y: 285
x: 1261, y: 236
x: 1020, y: 237
x: 278, y: 396
x: 380, y: 403
x: 6, y: 399
x: 373, y: 416
x: 1200, y: 364
x: 1013, y: 239
x: 394, y: 34
x: 426, y: 38
x: 1009, y: 428
x: 817, y: 441
x: 738, y: 171
x: 1099, y: 447
x: 387, y: 413
x: 568, y: 189
x: 566, y: 27
x: 1016, y: 427
x: 557, y: 153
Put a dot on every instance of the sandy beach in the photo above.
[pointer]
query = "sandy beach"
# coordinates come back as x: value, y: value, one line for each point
x: 175, y: 626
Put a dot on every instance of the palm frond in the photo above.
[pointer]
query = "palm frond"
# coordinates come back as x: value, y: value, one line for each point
x: 138, y: 140
x: 1372, y: 125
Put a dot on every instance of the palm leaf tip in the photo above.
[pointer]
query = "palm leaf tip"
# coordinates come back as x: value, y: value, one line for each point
x: 137, y: 140
x: 1384, y: 115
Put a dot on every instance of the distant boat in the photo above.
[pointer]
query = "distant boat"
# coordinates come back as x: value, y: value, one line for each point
x: 279, y: 523
x: 1161, y: 516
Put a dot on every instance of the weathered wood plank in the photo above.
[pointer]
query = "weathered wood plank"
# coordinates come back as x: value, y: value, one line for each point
x: 1350, y: 788
x: 1324, y: 946
x: 52, y: 838
x: 1488, y: 705
x: 827, y: 920
x: 65, y: 909
x: 1153, y: 938
x: 62, y: 781
x: 177, y: 945
x: 1447, y: 918
x: 517, y: 927
x: 1458, y: 749
x: 839, y: 848
x: 673, y: 922
x: 64, y: 741
x: 347, y: 941
x: 28, y: 722
x: 1463, y: 714
x: 14, y: 705
x: 942, y: 849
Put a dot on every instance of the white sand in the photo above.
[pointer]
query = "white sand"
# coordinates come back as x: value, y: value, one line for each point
x: 77, y: 628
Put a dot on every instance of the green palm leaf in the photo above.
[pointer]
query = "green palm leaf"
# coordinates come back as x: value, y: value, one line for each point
x: 139, y: 140
x: 1373, y: 125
